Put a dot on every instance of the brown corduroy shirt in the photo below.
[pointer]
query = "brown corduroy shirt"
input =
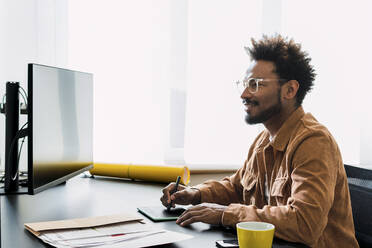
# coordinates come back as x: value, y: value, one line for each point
x: 309, y: 199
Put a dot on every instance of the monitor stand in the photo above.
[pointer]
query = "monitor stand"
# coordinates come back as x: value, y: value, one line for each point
x: 20, y: 190
x: 12, y: 134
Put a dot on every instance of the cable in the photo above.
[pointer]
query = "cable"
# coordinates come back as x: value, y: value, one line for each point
x: 22, y: 93
x: 15, y: 139
x: 25, y: 97
x: 2, y: 178
x: 19, y: 156
x: 22, y: 128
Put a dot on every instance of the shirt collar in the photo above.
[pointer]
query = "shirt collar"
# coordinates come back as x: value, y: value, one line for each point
x: 281, y: 139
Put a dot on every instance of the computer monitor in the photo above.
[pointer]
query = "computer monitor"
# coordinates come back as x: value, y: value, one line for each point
x: 60, y: 124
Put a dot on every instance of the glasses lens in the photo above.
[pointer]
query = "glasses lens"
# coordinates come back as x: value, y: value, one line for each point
x: 252, y: 85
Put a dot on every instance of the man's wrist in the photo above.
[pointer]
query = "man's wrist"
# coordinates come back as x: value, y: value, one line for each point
x: 197, y: 196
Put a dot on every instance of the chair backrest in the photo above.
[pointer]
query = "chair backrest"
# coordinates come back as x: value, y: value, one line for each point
x: 360, y: 186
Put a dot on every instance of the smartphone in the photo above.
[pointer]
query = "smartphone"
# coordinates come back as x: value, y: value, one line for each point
x: 228, y: 243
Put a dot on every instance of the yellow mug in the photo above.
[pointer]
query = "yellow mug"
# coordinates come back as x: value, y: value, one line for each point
x: 255, y: 234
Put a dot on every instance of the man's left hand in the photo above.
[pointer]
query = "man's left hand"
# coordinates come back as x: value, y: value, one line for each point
x: 206, y: 212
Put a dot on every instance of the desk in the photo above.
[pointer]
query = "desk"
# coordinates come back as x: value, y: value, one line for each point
x: 86, y: 197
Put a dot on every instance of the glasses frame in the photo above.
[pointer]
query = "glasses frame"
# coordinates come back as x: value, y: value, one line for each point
x: 242, y: 85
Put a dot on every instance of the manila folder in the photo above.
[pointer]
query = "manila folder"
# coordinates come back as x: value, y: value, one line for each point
x: 37, y: 227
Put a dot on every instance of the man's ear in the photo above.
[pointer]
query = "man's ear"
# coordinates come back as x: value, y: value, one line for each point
x: 290, y: 89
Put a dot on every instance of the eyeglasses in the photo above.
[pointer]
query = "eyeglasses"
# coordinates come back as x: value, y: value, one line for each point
x: 252, y: 84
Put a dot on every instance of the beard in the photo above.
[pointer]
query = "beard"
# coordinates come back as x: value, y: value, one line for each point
x: 265, y: 114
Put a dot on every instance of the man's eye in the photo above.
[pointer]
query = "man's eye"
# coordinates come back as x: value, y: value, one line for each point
x: 252, y: 84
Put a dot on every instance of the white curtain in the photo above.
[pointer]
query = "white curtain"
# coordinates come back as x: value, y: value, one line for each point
x: 131, y: 47
x: 31, y: 31
x: 124, y: 44
x: 338, y: 37
x: 216, y: 133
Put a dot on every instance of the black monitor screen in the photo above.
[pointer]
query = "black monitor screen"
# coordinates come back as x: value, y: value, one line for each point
x: 60, y: 121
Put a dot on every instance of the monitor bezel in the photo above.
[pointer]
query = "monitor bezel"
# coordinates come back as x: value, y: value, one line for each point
x: 31, y: 189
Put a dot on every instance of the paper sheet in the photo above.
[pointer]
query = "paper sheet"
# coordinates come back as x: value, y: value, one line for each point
x: 132, y: 234
x: 98, y: 241
x: 122, y: 230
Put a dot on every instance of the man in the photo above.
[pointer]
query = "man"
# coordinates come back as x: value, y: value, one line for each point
x: 294, y: 176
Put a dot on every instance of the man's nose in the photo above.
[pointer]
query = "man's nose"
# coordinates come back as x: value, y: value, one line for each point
x: 246, y: 94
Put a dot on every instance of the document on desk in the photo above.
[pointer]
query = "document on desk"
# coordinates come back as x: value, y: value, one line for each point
x: 132, y: 232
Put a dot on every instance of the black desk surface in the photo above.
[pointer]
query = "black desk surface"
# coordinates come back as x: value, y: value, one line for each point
x: 86, y: 197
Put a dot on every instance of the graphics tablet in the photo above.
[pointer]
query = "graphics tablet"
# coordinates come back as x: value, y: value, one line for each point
x: 160, y: 213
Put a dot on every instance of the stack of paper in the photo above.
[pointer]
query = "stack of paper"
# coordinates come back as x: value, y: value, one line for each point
x: 104, y: 231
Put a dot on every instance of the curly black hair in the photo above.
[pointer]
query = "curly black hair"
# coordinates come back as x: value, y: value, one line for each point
x: 290, y: 61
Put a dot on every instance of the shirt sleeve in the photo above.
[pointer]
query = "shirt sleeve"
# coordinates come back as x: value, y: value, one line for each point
x: 304, y: 217
x: 224, y: 192
x: 228, y: 190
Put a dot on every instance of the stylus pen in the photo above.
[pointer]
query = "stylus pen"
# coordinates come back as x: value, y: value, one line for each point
x: 174, y: 191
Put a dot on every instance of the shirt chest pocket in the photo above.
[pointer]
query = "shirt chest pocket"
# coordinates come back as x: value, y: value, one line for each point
x: 281, y: 190
x: 249, y: 189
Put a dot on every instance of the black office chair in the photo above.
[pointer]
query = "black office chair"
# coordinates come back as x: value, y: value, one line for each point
x: 360, y: 186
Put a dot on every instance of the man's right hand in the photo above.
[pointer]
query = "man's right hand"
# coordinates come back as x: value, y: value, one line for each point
x: 183, y: 196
